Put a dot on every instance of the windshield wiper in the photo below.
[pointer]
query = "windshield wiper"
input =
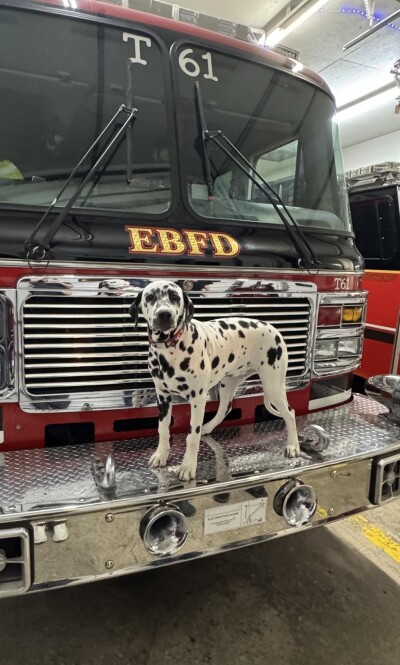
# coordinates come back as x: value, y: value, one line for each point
x: 307, y: 258
x: 37, y: 250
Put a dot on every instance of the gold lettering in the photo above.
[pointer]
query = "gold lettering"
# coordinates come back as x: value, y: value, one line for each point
x: 197, y: 242
x: 171, y: 242
x: 224, y: 244
x: 141, y: 241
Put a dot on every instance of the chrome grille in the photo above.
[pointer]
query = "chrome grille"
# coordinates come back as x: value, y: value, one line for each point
x: 92, y: 344
x: 83, y: 343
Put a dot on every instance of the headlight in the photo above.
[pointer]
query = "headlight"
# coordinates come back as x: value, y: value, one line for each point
x: 349, y: 346
x: 326, y: 349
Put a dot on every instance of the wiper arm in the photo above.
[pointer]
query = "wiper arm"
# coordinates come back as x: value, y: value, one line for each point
x: 37, y: 250
x: 307, y: 258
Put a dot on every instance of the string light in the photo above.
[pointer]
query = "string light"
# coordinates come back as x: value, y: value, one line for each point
x: 361, y: 12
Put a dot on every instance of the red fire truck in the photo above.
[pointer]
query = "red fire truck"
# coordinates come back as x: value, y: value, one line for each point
x: 135, y: 146
x: 374, y: 202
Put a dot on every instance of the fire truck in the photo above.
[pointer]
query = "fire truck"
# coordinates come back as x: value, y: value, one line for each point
x: 374, y: 203
x: 139, y: 144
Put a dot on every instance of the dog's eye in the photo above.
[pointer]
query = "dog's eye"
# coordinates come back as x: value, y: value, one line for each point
x: 150, y: 297
x: 174, y: 297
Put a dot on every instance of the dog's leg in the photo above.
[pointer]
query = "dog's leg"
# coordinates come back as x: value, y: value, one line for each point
x: 227, y: 389
x: 159, y: 458
x: 187, y: 470
x: 275, y: 402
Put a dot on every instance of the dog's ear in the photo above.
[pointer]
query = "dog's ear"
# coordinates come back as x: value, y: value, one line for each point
x: 188, y: 308
x: 135, y: 308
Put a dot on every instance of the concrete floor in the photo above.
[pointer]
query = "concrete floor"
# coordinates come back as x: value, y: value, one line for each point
x: 323, y: 597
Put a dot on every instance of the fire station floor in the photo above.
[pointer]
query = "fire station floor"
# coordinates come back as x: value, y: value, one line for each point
x: 329, y: 596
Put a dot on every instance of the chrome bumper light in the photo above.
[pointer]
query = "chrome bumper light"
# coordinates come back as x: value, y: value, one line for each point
x: 296, y: 502
x: 163, y: 530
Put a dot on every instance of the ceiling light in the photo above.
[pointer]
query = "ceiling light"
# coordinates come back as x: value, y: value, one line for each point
x: 280, y: 33
x: 364, y: 104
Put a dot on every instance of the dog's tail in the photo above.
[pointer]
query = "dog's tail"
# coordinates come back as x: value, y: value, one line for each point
x: 271, y: 409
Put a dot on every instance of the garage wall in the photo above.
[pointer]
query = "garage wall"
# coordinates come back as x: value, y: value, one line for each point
x: 382, y: 149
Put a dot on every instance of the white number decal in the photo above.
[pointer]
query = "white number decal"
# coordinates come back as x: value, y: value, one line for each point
x: 210, y: 74
x: 190, y: 67
x: 341, y: 283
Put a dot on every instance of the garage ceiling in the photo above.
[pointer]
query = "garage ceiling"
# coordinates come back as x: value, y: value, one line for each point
x: 319, y: 41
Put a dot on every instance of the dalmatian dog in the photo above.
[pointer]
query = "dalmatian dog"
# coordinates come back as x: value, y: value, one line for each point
x: 189, y: 357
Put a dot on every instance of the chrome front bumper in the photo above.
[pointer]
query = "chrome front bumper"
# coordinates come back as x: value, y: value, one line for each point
x: 78, y: 524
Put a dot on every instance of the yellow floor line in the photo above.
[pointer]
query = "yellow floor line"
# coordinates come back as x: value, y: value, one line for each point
x: 377, y: 537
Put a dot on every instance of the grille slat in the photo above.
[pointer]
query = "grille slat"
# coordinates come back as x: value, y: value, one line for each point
x: 89, y: 343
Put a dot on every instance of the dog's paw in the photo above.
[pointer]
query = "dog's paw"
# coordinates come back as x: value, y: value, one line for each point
x: 292, y: 450
x: 187, y: 470
x: 159, y: 458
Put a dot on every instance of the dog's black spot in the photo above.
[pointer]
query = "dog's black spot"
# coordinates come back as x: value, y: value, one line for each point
x: 232, y: 326
x: 163, y: 408
x: 244, y: 324
x: 231, y: 358
x: 278, y: 352
x: 202, y: 365
x: 169, y: 398
x: 182, y: 387
x: 221, y: 332
x: 224, y: 325
x: 166, y: 367
x: 180, y: 378
x: 215, y: 362
x: 201, y: 391
x: 182, y: 346
x: 174, y: 296
x: 188, y: 397
x: 190, y: 350
x: 198, y: 429
x: 241, y: 334
x: 271, y: 353
x: 205, y: 343
x: 185, y: 364
x: 195, y: 334
x: 262, y: 362
x: 154, y: 362
x: 253, y: 324
x: 222, y: 385
x: 277, y: 339
x: 193, y: 393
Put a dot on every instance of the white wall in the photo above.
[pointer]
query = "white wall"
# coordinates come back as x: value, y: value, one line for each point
x: 382, y: 149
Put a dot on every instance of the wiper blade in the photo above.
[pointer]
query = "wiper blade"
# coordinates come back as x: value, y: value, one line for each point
x: 307, y: 258
x: 37, y: 250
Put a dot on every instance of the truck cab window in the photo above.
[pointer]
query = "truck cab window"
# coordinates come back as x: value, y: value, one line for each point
x: 59, y: 90
x: 375, y: 221
x: 269, y: 120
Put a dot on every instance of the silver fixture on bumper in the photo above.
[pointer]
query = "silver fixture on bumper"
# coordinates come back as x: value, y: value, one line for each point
x: 163, y: 530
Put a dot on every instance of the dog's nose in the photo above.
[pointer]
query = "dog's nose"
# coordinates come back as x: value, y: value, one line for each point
x: 164, y: 316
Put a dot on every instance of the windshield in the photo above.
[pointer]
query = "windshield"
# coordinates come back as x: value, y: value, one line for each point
x: 61, y: 81
x: 282, y: 125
